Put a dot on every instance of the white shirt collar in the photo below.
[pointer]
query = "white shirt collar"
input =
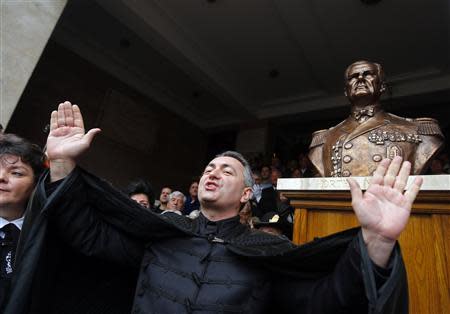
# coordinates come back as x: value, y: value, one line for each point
x: 17, y: 222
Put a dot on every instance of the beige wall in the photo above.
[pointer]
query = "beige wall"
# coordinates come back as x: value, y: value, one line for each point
x: 25, y: 27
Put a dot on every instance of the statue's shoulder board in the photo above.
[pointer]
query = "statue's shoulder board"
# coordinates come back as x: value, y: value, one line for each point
x: 318, y: 138
x: 394, y: 116
x: 428, y: 126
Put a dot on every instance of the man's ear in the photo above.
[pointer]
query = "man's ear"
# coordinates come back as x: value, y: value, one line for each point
x: 246, y: 194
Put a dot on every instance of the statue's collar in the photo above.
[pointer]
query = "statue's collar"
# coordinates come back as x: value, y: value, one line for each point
x: 363, y: 114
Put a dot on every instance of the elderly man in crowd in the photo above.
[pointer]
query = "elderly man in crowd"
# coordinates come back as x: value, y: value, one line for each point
x: 214, y: 264
x: 176, y: 203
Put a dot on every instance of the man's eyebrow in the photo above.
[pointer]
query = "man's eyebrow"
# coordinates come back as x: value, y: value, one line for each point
x: 14, y: 166
x: 228, y: 166
x: 213, y: 165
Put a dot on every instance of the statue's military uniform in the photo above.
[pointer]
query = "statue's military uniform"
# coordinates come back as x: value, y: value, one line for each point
x: 357, y: 145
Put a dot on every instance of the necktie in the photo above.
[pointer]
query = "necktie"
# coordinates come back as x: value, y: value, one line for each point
x: 8, y: 249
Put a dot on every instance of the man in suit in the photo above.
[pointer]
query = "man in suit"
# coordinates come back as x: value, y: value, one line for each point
x: 356, y: 146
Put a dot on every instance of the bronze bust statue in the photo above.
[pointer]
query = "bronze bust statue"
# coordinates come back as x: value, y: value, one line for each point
x: 355, y: 146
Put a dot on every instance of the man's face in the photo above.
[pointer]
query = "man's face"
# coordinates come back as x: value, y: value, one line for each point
x: 176, y: 202
x: 222, y: 185
x: 193, y: 190
x: 256, y: 178
x: 164, y: 196
x: 274, y: 176
x: 363, y: 81
x: 142, y: 199
x: 265, y: 173
x: 16, y: 184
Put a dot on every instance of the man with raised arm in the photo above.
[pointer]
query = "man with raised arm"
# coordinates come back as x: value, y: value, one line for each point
x: 214, y: 264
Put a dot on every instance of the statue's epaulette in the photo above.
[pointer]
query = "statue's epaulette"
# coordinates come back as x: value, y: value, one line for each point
x: 400, y: 118
x: 428, y: 126
x: 318, y: 138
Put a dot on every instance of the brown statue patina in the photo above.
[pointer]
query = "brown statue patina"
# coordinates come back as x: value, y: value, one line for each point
x: 355, y: 146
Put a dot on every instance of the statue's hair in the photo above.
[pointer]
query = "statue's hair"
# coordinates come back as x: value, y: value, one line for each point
x: 380, y: 70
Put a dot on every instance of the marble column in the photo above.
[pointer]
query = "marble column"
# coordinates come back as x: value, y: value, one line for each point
x: 25, y: 27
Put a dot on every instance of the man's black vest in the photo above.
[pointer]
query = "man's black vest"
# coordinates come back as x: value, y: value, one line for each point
x: 199, y: 275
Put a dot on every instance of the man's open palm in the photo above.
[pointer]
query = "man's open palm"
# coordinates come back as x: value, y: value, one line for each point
x: 384, y: 209
x: 67, y: 138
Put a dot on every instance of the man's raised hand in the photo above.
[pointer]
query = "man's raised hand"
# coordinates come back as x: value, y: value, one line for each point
x: 67, y: 139
x: 384, y: 209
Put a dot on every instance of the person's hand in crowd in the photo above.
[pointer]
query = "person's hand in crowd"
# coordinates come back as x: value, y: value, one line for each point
x: 384, y: 209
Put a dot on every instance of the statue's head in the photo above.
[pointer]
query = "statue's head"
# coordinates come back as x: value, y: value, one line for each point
x: 364, y: 82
